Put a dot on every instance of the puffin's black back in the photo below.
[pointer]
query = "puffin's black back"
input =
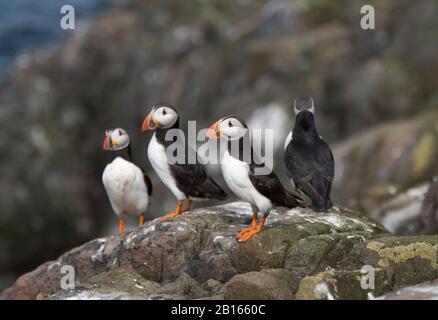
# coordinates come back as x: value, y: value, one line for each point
x: 309, y: 162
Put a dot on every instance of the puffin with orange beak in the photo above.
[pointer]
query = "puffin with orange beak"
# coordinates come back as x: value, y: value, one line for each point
x: 246, y: 178
x: 127, y: 186
x: 188, y: 181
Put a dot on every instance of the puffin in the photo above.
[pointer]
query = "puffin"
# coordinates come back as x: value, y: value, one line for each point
x: 187, y: 180
x: 308, y: 159
x: 127, y: 186
x: 245, y: 177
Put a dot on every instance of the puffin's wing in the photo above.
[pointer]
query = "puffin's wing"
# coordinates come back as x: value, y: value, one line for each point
x: 270, y: 186
x: 326, y: 160
x: 305, y: 185
x: 148, y: 182
x: 297, y: 166
x: 193, y: 180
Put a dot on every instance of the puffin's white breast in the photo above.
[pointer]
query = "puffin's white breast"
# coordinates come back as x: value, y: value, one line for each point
x: 158, y: 158
x: 236, y: 175
x: 125, y: 187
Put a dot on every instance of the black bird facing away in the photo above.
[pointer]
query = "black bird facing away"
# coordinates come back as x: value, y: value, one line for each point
x: 308, y: 159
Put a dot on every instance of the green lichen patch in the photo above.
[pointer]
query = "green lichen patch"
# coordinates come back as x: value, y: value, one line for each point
x: 402, y: 253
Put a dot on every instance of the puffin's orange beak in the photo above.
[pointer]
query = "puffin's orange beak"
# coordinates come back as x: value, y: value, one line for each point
x: 213, y: 131
x: 106, y: 143
x: 149, y: 122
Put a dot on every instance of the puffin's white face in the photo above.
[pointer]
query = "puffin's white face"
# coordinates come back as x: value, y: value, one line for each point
x: 116, y: 139
x: 165, y: 117
x: 232, y: 129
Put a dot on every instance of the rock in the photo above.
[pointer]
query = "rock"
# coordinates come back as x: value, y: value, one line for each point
x: 300, y: 254
x: 123, y: 281
x: 422, y: 291
x: 429, y: 209
x: 408, y: 260
x: 401, y: 214
x: 202, y: 244
x: 213, y: 285
x: 268, y: 284
x: 283, y: 246
x: 412, y: 212
x: 374, y: 166
x: 92, y: 294
x: 184, y: 285
x: 334, y: 285
x: 95, y: 295
x: 396, y: 262
x: 215, y: 297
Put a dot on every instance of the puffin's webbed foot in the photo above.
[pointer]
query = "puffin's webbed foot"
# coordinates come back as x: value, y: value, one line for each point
x: 173, y: 213
x: 252, y: 227
x: 121, y: 226
x: 249, y: 229
x: 188, y: 205
x: 141, y: 219
x: 170, y: 215
x: 245, y: 236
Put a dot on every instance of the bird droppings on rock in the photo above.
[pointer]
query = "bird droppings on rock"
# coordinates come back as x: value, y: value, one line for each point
x: 217, y: 238
x: 322, y: 291
x: 53, y: 265
x: 98, y: 255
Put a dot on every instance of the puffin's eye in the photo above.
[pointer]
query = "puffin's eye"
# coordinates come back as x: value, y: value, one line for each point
x: 230, y: 124
x: 120, y: 133
x: 164, y: 112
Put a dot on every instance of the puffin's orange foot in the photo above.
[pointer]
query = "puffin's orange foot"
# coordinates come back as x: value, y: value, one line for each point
x: 188, y: 205
x: 249, y: 229
x: 169, y: 215
x: 245, y: 236
x: 121, y: 226
x: 173, y: 213
x: 141, y: 220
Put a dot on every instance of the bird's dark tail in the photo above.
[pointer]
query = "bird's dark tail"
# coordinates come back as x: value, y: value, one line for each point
x: 213, y: 191
x: 322, y: 188
x: 292, y: 200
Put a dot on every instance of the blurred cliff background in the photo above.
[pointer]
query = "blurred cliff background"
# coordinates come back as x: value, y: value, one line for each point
x: 375, y: 91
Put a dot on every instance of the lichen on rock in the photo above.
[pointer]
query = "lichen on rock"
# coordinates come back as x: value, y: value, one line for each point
x: 399, y: 254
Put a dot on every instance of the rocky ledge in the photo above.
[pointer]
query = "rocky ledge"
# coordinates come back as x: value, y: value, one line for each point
x: 300, y: 254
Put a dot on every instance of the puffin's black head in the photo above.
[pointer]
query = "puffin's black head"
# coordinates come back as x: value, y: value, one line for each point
x: 161, y: 116
x: 116, y: 139
x: 304, y: 111
x: 230, y: 128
